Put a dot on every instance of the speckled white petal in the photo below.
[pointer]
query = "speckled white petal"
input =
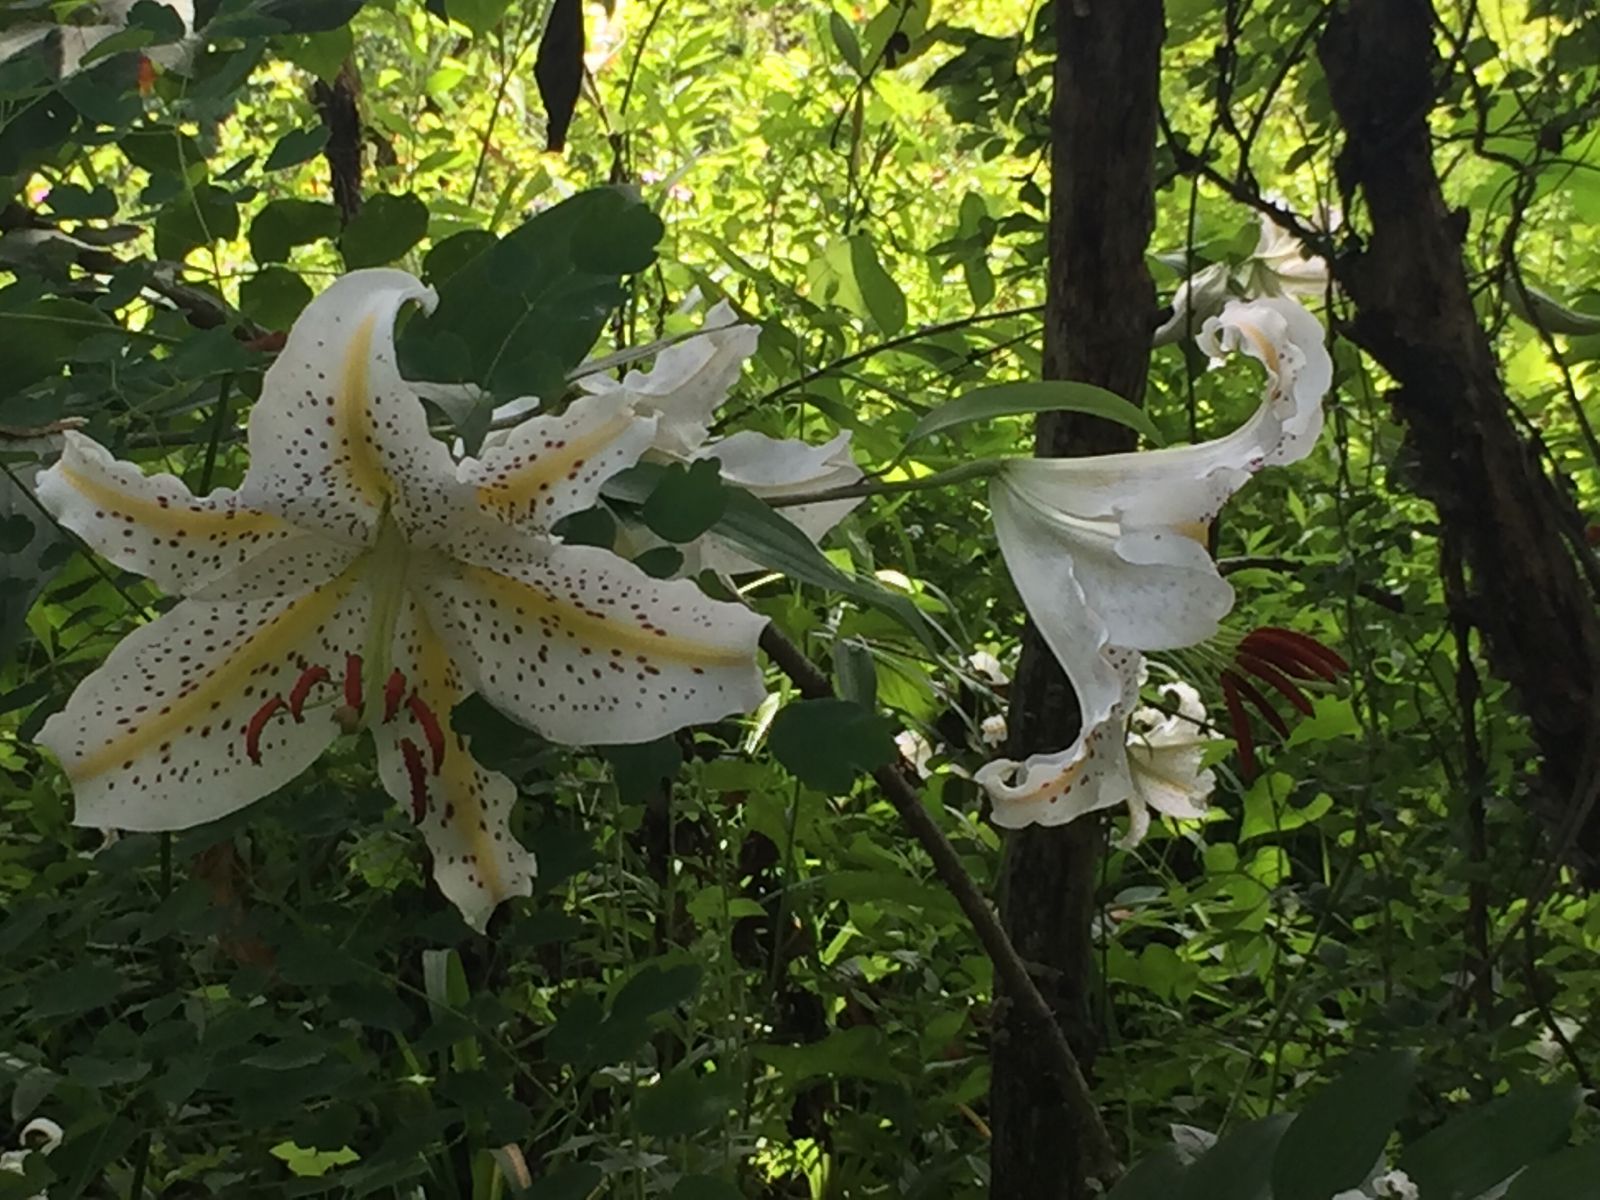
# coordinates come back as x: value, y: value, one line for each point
x: 548, y: 467
x: 588, y: 649
x: 688, y: 381
x: 1089, y: 775
x: 1288, y: 341
x: 337, y: 436
x: 156, y: 737
x: 464, y: 808
x: 152, y: 524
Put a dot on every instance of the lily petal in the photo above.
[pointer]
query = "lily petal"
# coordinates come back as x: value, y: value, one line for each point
x: 549, y: 467
x: 463, y: 808
x: 338, y: 437
x: 688, y: 381
x: 156, y: 738
x: 154, y: 525
x: 583, y: 647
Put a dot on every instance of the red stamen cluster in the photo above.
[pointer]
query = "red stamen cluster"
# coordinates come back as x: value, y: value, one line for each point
x: 1278, y: 658
x: 349, y: 715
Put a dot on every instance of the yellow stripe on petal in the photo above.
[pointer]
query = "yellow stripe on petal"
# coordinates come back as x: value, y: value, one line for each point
x: 593, y: 628
x: 559, y: 460
x: 353, y: 416
x: 272, y: 642
x: 179, y: 521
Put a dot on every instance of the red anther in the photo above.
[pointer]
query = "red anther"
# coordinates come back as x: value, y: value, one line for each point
x: 393, y: 689
x: 253, y: 728
x: 309, y: 679
x: 1276, y: 679
x: 419, y: 779
x: 352, y: 681
x: 423, y: 715
x: 1310, y: 650
x: 1241, y: 724
x: 1285, y: 657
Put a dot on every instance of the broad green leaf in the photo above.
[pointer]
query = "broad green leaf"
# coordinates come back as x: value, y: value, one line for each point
x: 1015, y: 399
x: 522, y: 313
x: 1342, y: 1131
x: 295, y: 147
x: 387, y: 226
x: 848, y: 273
x: 855, y: 672
x: 1569, y: 1174
x: 704, y: 1187
x: 686, y: 1102
x: 480, y: 16
x: 206, y: 215
x: 825, y: 743
x: 577, y: 1182
x: 1157, y: 1176
x: 284, y: 224
x: 844, y: 40
x: 860, y: 1052
x: 163, y: 149
x: 1239, y: 1166
x: 39, y: 335
x: 1483, y: 1146
x: 274, y: 297
x: 315, y: 1163
x: 79, y: 988
x: 686, y: 501
x: 322, y: 54
x: 643, y: 769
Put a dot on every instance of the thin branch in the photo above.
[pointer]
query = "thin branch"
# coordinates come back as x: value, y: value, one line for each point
x: 1008, y: 964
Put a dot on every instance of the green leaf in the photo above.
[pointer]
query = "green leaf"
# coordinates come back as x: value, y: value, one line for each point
x: 206, y: 215
x: 1568, y: 1175
x: 285, y: 224
x: 769, y: 538
x: 1157, y: 1176
x: 686, y: 1102
x: 849, y: 273
x: 1472, y: 1152
x: 859, y: 1052
x: 704, y: 1187
x: 274, y: 297
x: 1015, y: 399
x: 686, y: 501
x: 1239, y: 1166
x: 824, y: 743
x: 844, y: 38
x: 387, y: 226
x: 655, y: 988
x: 314, y: 1163
x: 162, y: 149
x: 856, y: 672
x: 295, y: 147
x: 480, y: 16
x: 577, y: 1182
x: 521, y: 314
x: 642, y: 770
x: 38, y: 336
x: 77, y: 989
x: 322, y: 54
x: 77, y: 203
x: 1342, y: 1131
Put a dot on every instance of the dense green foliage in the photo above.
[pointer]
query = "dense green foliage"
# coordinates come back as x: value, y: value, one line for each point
x: 738, y: 974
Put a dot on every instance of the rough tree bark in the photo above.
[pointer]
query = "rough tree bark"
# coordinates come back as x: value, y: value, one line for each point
x: 1097, y: 329
x: 1499, y: 512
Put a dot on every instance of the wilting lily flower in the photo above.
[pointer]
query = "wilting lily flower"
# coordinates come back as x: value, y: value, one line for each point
x: 685, y: 386
x: 1111, y: 550
x: 1144, y: 757
x: 360, y: 578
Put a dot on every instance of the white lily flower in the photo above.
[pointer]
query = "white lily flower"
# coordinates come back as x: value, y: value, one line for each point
x: 39, y: 1136
x: 994, y: 730
x: 1278, y: 266
x: 685, y: 386
x: 1147, y: 758
x: 987, y: 668
x: 361, y: 578
x: 1111, y: 550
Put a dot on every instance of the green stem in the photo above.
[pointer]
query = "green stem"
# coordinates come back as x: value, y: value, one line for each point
x: 983, y: 468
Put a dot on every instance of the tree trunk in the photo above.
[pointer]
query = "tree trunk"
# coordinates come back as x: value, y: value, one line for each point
x: 1499, y: 512
x: 1098, y: 323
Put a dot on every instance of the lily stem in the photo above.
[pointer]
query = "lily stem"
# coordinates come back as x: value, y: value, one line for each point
x: 1008, y: 964
x: 981, y: 469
